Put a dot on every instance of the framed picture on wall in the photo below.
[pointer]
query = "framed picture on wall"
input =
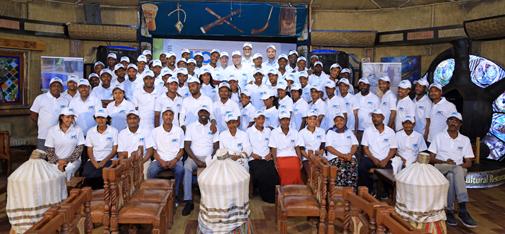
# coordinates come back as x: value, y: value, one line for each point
x: 12, y: 80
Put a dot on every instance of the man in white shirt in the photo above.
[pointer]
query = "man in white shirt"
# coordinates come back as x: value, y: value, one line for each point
x: 285, y: 102
x: 300, y: 107
x: 238, y: 69
x: 318, y: 77
x: 257, y: 90
x: 119, y: 74
x: 261, y: 165
x: 349, y: 100
x: 410, y: 142
x: 223, y: 63
x: 247, y: 52
x: 190, y: 106
x: 224, y: 106
x: 168, y: 144
x: 405, y: 106
x: 71, y: 91
x: 301, y: 65
x: 334, y: 104
x: 271, y: 61
x: 452, y: 154
x: 212, y: 66
x: 247, y: 112
x: 133, y: 81
x: 439, y: 112
x: 292, y: 58
x: 366, y: 102
x: 423, y: 107
x: 103, y: 92
x: 46, y: 108
x: 388, y: 101
x: 84, y: 106
x: 379, y: 146
x: 304, y: 82
x: 317, y: 104
x: 144, y: 100
x: 168, y: 99
x: 200, y: 143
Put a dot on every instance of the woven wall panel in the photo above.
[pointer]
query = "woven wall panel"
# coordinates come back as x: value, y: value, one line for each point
x: 102, y: 32
x: 342, y: 38
x: 48, y: 28
x: 456, y: 32
x: 490, y: 28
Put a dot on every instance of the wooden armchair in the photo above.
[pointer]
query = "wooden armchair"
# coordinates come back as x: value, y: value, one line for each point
x: 360, y: 211
x: 336, y: 202
x: 388, y: 221
x: 306, y: 206
x: 5, y: 150
x: 51, y: 222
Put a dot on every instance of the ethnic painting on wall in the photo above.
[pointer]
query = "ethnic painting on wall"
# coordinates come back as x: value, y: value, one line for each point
x: 11, y: 78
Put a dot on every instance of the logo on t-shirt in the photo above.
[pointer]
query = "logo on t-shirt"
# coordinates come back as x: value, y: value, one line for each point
x: 460, y: 148
x: 347, y: 104
x: 91, y: 107
x: 293, y: 141
x: 401, y: 109
x: 318, y: 137
x: 386, y: 140
x: 239, y: 145
x: 109, y: 138
x: 414, y: 146
x: 369, y: 103
x: 174, y: 140
x: 73, y: 137
x: 421, y: 107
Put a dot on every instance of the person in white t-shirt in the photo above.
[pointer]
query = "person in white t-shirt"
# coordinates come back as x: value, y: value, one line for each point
x: 84, y: 106
x: 201, y: 142
x: 144, y: 100
x: 103, y: 92
x: 284, y: 101
x: 224, y: 106
x: 410, y: 142
x: 317, y: 104
x: 282, y: 61
x: 65, y: 143
x: 241, y: 71
x: 101, y: 141
x: 379, y: 146
x: 247, y: 112
x: 388, y: 101
x: 168, y: 147
x: 257, y: 89
x: 190, y: 105
x: 264, y: 175
x: 300, y: 107
x: 304, y: 82
x: 271, y: 60
x: 366, y: 102
x: 350, y: 103
x: 235, y: 141
x: 440, y: 110
x: 423, y: 107
x: 169, y: 99
x: 292, y: 58
x: 247, y: 49
x: 313, y: 138
x: 271, y: 112
x: 234, y: 88
x: 334, y: 104
x: 207, y: 84
x: 405, y: 106
x: 341, y: 147
x: 318, y: 77
x: 118, y: 108
x: 45, y: 109
x: 452, y: 154
x: 71, y: 91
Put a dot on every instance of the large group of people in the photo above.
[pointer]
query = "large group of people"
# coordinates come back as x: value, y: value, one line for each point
x: 272, y: 114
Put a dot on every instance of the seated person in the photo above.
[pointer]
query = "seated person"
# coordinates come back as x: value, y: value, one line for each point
x: 410, y: 142
x: 235, y: 141
x: 341, y: 147
x: 200, y: 143
x: 379, y: 146
x: 64, y: 143
x: 313, y: 138
x: 451, y: 153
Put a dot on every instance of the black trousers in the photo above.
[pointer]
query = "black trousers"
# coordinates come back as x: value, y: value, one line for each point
x: 264, y: 177
x: 93, y: 176
x: 364, y: 175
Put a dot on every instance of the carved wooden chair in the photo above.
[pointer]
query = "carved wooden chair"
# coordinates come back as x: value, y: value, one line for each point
x: 388, y: 221
x: 360, y: 211
x: 336, y: 202
x: 74, y: 209
x: 5, y: 150
x: 51, y: 222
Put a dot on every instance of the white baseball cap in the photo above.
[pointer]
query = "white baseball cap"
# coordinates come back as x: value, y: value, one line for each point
x: 409, y: 118
x: 101, y: 112
x: 182, y: 60
x: 335, y: 65
x: 204, y: 107
x: 93, y: 75
x: 232, y: 77
x: 84, y: 82
x: 118, y: 66
x: 214, y: 51
x: 246, y: 92
x: 172, y: 79
x: 282, y: 56
x: 193, y: 79
x: 112, y: 55
x: 247, y: 44
x: 258, y: 71
x: 291, y: 52
x: 422, y: 82
x: 318, y: 63
x: 301, y: 58
x: 377, y: 111
x: 284, y: 114
x: 344, y: 81
x: 146, y: 52
x: 148, y: 74
x: 184, y: 51
x: 171, y: 54
x: 330, y: 84
x: 105, y: 71
x: 230, y: 117
x: 118, y: 86
x: 316, y: 87
x: 181, y: 70
x: 165, y: 71
x: 290, y: 76
x: 67, y: 111
x: 236, y: 53
x: 198, y: 54
x: 311, y: 112
x: 257, y: 55
x: 296, y: 86
x: 223, y: 84
x: 281, y: 85
x: 303, y: 74
x: 405, y: 84
x: 99, y: 63
x: 167, y: 108
x: 267, y: 95
x: 223, y: 54
x: 191, y: 61
x: 142, y: 58
x: 436, y: 85
x: 258, y: 114
x: 125, y: 59
x: 456, y: 115
x: 339, y: 114
x: 314, y: 56
x: 385, y: 78
x: 271, y: 46
x: 131, y: 65
x: 364, y: 80
x: 73, y: 78
x: 133, y: 112
x: 157, y: 63
x: 272, y: 71
x: 346, y: 70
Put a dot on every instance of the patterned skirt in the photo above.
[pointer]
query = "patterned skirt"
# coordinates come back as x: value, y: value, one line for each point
x: 348, y: 172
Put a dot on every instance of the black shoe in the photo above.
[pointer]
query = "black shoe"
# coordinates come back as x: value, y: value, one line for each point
x: 451, y: 219
x: 466, y: 219
x: 188, y: 207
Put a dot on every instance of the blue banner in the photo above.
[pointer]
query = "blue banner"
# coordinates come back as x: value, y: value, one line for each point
x: 164, y: 19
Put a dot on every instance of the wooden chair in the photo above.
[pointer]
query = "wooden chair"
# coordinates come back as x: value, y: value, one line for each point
x: 307, y: 206
x: 388, y: 221
x: 5, y: 150
x: 360, y: 211
x: 336, y: 202
x: 51, y: 222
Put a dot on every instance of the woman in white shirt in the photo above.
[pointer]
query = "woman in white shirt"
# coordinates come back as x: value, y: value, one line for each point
x: 118, y: 108
x: 235, y: 141
x: 65, y: 142
x: 341, y: 145
x: 208, y: 89
x: 313, y: 138
x: 101, y: 141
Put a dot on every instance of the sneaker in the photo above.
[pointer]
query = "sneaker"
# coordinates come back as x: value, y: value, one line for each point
x: 451, y: 219
x: 466, y: 219
x: 188, y: 207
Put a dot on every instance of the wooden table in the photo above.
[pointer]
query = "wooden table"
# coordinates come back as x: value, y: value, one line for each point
x: 386, y: 176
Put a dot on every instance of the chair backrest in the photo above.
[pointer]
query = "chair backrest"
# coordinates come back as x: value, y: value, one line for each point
x: 388, y: 221
x: 4, y: 143
x: 138, y: 170
x: 361, y: 210
x: 114, y: 184
x: 75, y: 208
x: 51, y: 222
x: 129, y: 168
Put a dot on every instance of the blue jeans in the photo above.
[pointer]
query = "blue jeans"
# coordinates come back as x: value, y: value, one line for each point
x: 155, y: 168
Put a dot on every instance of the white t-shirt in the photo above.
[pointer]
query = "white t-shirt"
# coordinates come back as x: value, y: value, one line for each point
x: 349, y: 101
x: 405, y: 107
x: 388, y: 104
x: 235, y: 144
x: 102, y: 143
x: 286, y: 104
x: 118, y: 113
x: 378, y: 143
x: 221, y: 110
x: 271, y: 117
x: 423, y: 111
x: 168, y: 144
x: 202, y: 139
x: 445, y: 147
x: 48, y: 109
x: 312, y: 140
x: 342, y: 142
x: 183, y: 90
x: 242, y: 74
x: 190, y: 107
x: 163, y: 101
x: 130, y: 141
x: 300, y: 108
x: 70, y: 97
x: 209, y: 91
x: 131, y: 86
x: 409, y: 146
x: 64, y: 143
x: 247, y: 116
x: 285, y: 144
x: 319, y: 106
x: 259, y: 140
x: 333, y: 106
x: 438, y: 117
x: 318, y: 81
x: 365, y: 105
x: 306, y: 93
x: 256, y: 93
x: 144, y: 102
x: 85, y: 111
x: 101, y: 93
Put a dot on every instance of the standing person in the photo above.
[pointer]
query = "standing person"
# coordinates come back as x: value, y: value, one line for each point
x: 388, y: 102
x: 273, y: 79
x: 103, y: 92
x: 190, y: 105
x: 84, y: 106
x: 440, y: 110
x: 199, y: 60
x: 168, y: 147
x: 212, y: 66
x: 405, y: 106
x: 120, y: 74
x: 94, y: 80
x: 284, y: 101
x: 366, y: 102
x: 318, y: 77
x: 300, y: 107
x: 64, y: 143
x: 71, y: 91
x: 97, y: 67
x: 241, y: 71
x: 148, y: 55
x: 207, y: 84
x: 379, y: 146
x: 247, y: 52
x: 258, y: 65
x: 271, y: 61
x: 349, y: 101
x: 284, y: 146
x: 235, y: 141
x: 452, y: 154
x: 410, y: 143
x: 183, y: 77
x: 247, y: 112
x: 223, y: 63
x: 257, y: 89
x: 111, y: 61
x: 169, y: 99
x: 200, y: 143
x: 334, y: 72
x: 224, y: 106
x: 304, y: 82
x: 234, y: 88
x: 125, y: 61
x: 314, y: 140
x: 282, y: 62
x: 271, y: 112
x: 144, y: 100
x: 341, y: 147
x: 101, y: 141
x: 118, y: 108
x: 132, y: 81
x: 192, y: 69
x: 141, y: 65
x: 301, y: 65
x: 135, y: 140
x: 45, y: 109
x: 171, y: 61
x: 334, y: 104
x: 317, y: 104
x: 292, y: 57
x: 261, y: 165
x: 423, y: 107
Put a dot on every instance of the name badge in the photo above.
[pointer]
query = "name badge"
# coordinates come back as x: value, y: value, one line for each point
x: 292, y: 141
x: 266, y: 139
x: 439, y: 112
x: 62, y: 106
x: 384, y: 103
x: 318, y: 137
x: 141, y: 139
x: 335, y: 106
x: 178, y: 105
x: 348, y: 137
x: 347, y: 104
